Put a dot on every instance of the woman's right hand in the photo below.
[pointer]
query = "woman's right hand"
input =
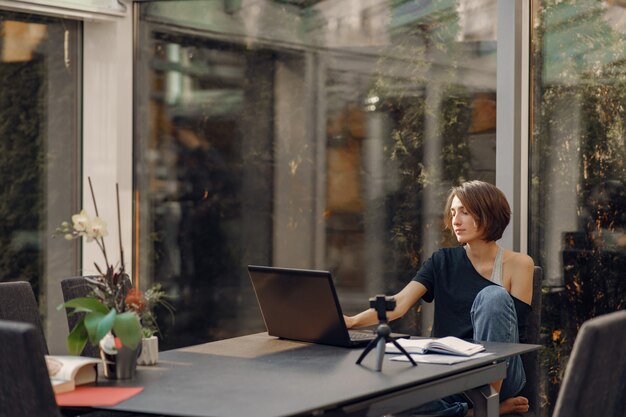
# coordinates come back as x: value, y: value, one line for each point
x: 349, y: 321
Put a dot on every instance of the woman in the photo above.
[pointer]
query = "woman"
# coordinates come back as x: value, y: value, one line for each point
x: 482, y: 291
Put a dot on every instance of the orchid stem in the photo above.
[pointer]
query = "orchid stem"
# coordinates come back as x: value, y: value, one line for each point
x: 95, y: 206
x: 119, y: 226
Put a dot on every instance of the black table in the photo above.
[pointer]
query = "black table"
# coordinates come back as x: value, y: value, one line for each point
x: 259, y: 375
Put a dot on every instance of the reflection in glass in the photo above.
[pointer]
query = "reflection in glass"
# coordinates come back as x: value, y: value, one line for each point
x: 39, y: 136
x: 578, y: 170
x: 303, y: 134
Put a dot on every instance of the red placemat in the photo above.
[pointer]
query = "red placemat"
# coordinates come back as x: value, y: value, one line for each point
x: 96, y: 396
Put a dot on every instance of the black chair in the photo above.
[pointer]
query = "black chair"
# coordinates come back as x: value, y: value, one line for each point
x: 531, y: 361
x: 595, y: 377
x: 18, y: 303
x: 25, y: 388
x: 73, y: 288
x: 78, y: 287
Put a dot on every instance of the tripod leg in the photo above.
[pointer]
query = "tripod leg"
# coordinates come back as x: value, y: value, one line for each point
x: 367, y: 349
x: 380, y: 353
x: 401, y: 349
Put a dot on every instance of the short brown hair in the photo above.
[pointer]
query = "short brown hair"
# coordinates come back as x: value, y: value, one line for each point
x: 485, y: 203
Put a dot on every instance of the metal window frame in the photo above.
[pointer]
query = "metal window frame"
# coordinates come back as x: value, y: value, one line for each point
x: 103, y: 10
x: 107, y: 109
x: 106, y: 126
x: 512, y: 133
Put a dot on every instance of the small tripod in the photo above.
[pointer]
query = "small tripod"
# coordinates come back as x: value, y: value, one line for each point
x: 382, y: 304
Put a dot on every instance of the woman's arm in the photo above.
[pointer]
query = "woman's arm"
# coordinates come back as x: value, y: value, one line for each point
x: 407, y: 297
x: 522, y: 277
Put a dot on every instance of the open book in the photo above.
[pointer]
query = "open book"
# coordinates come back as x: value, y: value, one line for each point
x: 449, y: 345
x: 66, y: 372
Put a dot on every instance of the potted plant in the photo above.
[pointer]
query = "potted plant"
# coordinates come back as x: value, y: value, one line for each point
x: 144, y: 304
x: 109, y: 322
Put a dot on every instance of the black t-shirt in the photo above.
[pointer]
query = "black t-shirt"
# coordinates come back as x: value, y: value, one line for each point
x: 452, y: 280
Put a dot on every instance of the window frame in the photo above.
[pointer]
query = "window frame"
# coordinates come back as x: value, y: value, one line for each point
x: 106, y: 129
x: 512, y: 117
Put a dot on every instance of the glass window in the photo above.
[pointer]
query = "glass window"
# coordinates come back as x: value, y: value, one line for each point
x: 39, y: 152
x: 311, y: 134
x: 578, y: 168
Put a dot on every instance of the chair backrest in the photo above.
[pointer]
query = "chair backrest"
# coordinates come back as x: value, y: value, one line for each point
x: 25, y: 388
x: 533, y: 325
x: 595, y: 377
x: 18, y: 303
x: 530, y: 361
x: 73, y: 288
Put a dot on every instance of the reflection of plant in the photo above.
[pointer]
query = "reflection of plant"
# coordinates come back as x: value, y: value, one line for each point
x: 408, y: 152
x: 23, y: 156
x: 105, y: 310
x: 577, y: 150
x: 416, y: 174
x: 554, y: 357
x: 144, y: 305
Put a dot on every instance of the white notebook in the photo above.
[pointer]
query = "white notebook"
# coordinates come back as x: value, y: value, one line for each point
x: 438, y: 358
x: 447, y: 345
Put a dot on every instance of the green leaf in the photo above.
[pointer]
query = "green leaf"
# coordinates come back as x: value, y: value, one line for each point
x: 91, y: 324
x: 85, y: 304
x: 105, y: 324
x: 128, y: 329
x: 98, y: 325
x: 77, y: 339
x: 92, y: 320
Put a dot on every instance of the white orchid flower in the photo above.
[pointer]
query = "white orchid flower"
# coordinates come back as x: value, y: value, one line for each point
x: 80, y: 220
x: 96, y: 229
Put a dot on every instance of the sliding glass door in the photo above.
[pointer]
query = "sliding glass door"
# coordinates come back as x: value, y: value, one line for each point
x: 40, y: 75
x: 303, y: 134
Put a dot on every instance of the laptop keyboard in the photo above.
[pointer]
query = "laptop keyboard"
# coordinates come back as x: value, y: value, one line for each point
x: 361, y: 335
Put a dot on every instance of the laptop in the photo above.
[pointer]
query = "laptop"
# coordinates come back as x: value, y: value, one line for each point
x: 302, y: 304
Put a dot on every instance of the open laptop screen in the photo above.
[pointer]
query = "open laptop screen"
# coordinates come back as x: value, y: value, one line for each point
x: 299, y: 304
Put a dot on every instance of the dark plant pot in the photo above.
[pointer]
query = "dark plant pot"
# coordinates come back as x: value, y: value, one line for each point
x: 121, y: 365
